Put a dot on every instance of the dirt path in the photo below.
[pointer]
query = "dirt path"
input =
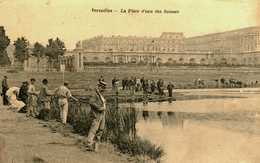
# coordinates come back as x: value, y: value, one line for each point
x: 28, y: 141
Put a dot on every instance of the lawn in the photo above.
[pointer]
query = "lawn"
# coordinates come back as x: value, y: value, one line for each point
x: 180, y: 76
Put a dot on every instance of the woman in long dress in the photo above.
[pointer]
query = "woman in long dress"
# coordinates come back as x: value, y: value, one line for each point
x: 12, y: 98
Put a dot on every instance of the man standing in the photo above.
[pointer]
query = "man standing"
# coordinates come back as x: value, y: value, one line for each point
x: 45, y: 101
x: 32, y: 99
x: 170, y: 88
x: 5, y: 87
x: 115, y: 85
x: 98, y: 109
x: 161, y: 85
x: 138, y: 84
x: 153, y: 86
x: 158, y: 86
x: 64, y: 95
x: 23, y: 95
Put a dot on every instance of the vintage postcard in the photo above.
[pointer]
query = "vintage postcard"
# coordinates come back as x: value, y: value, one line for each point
x: 137, y: 81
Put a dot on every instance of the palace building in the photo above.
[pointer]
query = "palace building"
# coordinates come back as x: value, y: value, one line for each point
x: 236, y: 47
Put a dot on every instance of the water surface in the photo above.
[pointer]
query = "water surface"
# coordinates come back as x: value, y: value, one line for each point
x: 220, y: 130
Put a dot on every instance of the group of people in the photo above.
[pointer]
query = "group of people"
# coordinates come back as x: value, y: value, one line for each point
x: 223, y: 83
x: 141, y: 84
x: 27, y: 99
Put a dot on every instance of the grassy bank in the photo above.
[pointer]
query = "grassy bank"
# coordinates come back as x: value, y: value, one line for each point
x: 120, y: 128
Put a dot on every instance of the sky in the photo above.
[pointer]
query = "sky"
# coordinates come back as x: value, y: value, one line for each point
x: 73, y: 20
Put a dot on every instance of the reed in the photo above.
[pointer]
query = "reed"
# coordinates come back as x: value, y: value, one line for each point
x: 120, y: 127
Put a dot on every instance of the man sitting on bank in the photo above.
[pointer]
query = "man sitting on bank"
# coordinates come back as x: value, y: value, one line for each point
x: 15, y: 104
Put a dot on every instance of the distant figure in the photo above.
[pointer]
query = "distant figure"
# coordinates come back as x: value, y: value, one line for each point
x: 45, y: 100
x: 132, y: 83
x: 124, y: 84
x: 98, y: 110
x: 115, y: 85
x: 170, y: 88
x: 23, y: 94
x: 146, y: 87
x: 101, y: 79
x: 12, y: 94
x: 138, y: 85
x: 113, y: 82
x: 32, y: 99
x: 142, y: 82
x: 160, y: 86
x: 5, y: 87
x: 153, y: 86
x: 64, y: 95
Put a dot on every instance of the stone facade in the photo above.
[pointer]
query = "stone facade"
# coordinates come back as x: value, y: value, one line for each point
x: 239, y: 41
x: 237, y: 47
x: 167, y: 42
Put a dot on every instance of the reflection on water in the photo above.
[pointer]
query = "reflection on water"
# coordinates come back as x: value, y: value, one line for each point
x: 166, y: 118
x: 202, y: 137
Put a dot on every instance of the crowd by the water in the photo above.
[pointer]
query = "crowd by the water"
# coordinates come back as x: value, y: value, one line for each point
x: 147, y: 86
x: 151, y: 86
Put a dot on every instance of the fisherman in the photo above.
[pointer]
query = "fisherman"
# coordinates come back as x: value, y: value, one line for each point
x: 97, y: 113
x: 5, y: 87
x: 23, y: 95
x: 32, y: 99
x: 45, y: 100
x: 170, y: 88
x: 64, y: 95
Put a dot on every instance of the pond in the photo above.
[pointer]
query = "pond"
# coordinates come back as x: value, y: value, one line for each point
x: 221, y: 130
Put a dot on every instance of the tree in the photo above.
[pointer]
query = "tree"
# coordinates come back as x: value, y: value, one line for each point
x: 55, y: 48
x: 4, y: 43
x: 21, y: 49
x: 38, y: 51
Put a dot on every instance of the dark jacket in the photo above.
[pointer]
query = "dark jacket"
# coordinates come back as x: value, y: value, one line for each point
x: 96, y: 103
x: 5, y: 86
x: 23, y: 93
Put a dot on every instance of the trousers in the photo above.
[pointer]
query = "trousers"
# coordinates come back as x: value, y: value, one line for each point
x: 64, y: 107
x: 32, y: 106
x: 97, y: 127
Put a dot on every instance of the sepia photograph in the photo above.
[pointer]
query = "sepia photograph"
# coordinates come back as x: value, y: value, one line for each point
x: 110, y: 81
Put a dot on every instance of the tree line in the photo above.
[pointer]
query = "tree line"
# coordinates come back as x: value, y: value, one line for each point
x: 23, y: 49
